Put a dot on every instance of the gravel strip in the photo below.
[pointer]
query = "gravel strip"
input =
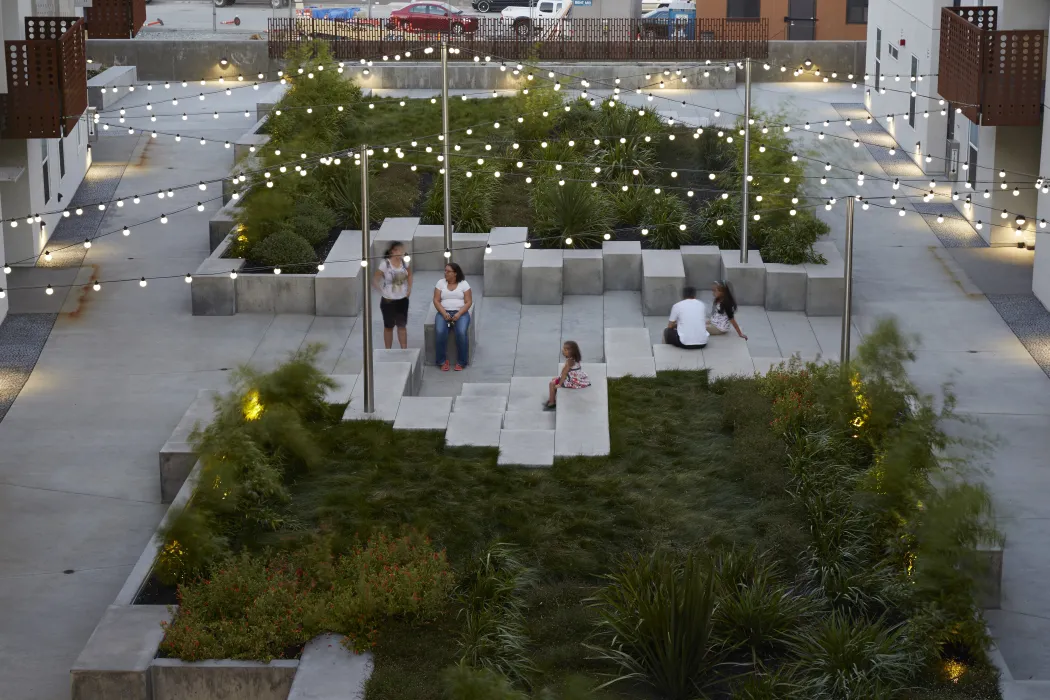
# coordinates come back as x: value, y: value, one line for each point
x: 954, y: 231
x: 1030, y: 322
x: 22, y: 338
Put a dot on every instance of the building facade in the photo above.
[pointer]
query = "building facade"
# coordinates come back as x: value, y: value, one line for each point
x: 822, y: 20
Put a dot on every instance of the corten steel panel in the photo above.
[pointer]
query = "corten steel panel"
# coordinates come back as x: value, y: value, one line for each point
x: 959, y: 79
x: 589, y: 39
x: 47, y: 78
x: 115, y: 19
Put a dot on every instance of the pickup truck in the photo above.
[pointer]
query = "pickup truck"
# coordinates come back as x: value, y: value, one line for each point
x: 544, y: 14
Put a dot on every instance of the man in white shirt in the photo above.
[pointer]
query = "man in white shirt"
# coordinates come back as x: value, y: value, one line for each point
x: 687, y: 327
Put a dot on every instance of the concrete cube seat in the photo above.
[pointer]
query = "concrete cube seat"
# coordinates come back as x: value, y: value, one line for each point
x: 337, y: 288
x: 430, y: 334
x: 468, y: 251
x: 395, y: 228
x: 785, y: 287
x: 413, y: 356
x: 663, y: 277
x: 392, y: 382
x: 825, y: 284
x: 428, y: 245
x: 747, y: 280
x: 526, y: 448
x: 473, y: 429
x: 669, y: 357
x: 423, y: 413
x: 627, y: 342
x: 177, y: 456
x: 582, y: 272
x: 703, y: 265
x: 542, y: 276
x: 582, y: 420
x: 622, y: 265
x: 503, y: 264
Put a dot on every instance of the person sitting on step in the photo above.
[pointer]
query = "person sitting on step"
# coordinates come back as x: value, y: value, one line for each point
x: 572, y: 375
x: 686, y: 327
x: 723, y: 310
x: 452, y: 299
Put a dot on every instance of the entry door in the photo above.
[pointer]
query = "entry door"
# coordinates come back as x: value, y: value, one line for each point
x: 801, y: 20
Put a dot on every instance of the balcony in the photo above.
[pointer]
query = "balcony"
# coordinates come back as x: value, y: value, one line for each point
x: 46, y: 79
x: 994, y: 76
x: 115, y: 19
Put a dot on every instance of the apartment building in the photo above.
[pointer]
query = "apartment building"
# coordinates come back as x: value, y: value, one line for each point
x: 964, y: 84
x: 823, y: 20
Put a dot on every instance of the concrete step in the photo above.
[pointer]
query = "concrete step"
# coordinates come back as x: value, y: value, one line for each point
x: 329, y: 671
x: 423, y: 413
x: 393, y: 380
x: 628, y: 351
x: 473, y: 429
x: 727, y: 355
x: 529, y: 420
x: 480, y: 404
x: 526, y: 448
x: 541, y: 276
x: 582, y: 418
x: 486, y: 389
x: 343, y: 392
x: 528, y: 393
x: 669, y: 357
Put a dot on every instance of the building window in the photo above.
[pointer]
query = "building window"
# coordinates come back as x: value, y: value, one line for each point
x: 856, y: 11
x: 743, y: 9
x: 878, y: 58
x: 62, y: 158
x: 951, y: 121
x: 893, y: 51
x: 974, y: 138
x: 911, y: 98
x: 45, y: 170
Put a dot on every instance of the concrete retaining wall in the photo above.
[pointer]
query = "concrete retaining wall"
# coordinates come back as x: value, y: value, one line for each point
x: 230, y: 680
x: 102, y: 92
x: 199, y: 58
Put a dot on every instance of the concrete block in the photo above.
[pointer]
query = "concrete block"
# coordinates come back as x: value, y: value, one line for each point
x: 413, y: 356
x: 622, y: 265
x: 473, y: 429
x: 727, y: 355
x: 337, y: 288
x: 267, y: 293
x: 269, y: 99
x: 582, y: 272
x: 231, y: 680
x: 177, y: 456
x: 329, y: 671
x: 825, y: 284
x: 669, y: 357
x: 212, y: 292
x: 627, y: 342
x: 486, y: 389
x: 109, y: 80
x: 423, y: 413
x: 430, y: 334
x: 222, y: 224
x: 618, y: 367
x: 663, y: 277
x: 503, y: 264
x: 746, y: 280
x: 115, y: 662
x: 582, y: 421
x: 990, y: 583
x: 428, y: 247
x: 392, y: 381
x: 480, y: 404
x: 468, y: 250
x: 343, y: 392
x: 528, y: 393
x: 785, y: 287
x: 541, y: 276
x: 703, y: 265
x: 526, y: 448
x: 251, y: 141
x: 536, y: 419
x: 395, y: 228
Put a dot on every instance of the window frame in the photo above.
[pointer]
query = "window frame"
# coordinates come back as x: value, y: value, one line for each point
x: 878, y: 58
x: 62, y: 158
x: 853, y: 3
x: 913, y: 88
x: 45, y: 168
x: 744, y: 5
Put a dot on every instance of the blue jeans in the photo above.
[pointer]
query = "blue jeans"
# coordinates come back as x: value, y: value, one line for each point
x: 462, y: 342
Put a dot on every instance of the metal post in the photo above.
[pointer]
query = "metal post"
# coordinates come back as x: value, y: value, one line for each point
x: 847, y: 309
x: 369, y: 9
x: 214, y: 19
x: 444, y: 149
x: 747, y: 159
x: 366, y: 282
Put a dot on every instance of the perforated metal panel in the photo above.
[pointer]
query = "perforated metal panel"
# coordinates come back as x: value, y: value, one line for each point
x: 995, y: 77
x: 115, y: 19
x: 46, y: 78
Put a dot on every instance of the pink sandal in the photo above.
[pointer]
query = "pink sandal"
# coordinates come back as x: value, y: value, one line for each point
x: 459, y: 368
x: 444, y: 367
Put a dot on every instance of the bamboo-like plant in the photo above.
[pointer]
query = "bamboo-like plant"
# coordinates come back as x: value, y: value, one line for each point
x: 571, y: 210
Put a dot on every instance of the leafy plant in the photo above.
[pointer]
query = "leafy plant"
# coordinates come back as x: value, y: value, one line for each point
x: 465, y: 682
x: 286, y: 250
x: 574, y: 210
x: 791, y: 242
x: 668, y: 222
x: 725, y: 235
x: 630, y: 205
x: 657, y: 623
x: 762, y: 616
x: 472, y: 204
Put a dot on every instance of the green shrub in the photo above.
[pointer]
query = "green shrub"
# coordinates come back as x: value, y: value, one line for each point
x: 573, y: 210
x: 657, y: 623
x: 312, y: 220
x: 631, y: 205
x: 762, y: 616
x: 472, y: 205
x: 778, y: 684
x: 791, y: 242
x: 463, y: 682
x: 286, y: 250
x: 191, y: 544
x: 665, y: 216
x: 727, y: 234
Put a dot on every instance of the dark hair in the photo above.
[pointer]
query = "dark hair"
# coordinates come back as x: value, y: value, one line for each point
x: 728, y: 302
x: 689, y: 293
x: 457, y: 269
x: 390, y: 248
x: 574, y: 350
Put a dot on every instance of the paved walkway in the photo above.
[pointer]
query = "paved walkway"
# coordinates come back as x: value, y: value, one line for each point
x: 79, y: 496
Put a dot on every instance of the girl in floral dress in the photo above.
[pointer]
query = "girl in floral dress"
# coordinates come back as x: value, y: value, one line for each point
x: 572, y: 374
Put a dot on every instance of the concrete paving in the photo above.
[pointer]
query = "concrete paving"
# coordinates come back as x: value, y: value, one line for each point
x: 79, y: 492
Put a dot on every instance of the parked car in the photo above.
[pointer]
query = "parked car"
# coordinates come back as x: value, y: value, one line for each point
x: 492, y: 5
x: 534, y: 18
x: 433, y: 17
x: 226, y: 3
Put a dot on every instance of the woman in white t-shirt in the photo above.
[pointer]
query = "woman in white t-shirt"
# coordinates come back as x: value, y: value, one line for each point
x: 452, y: 299
x: 393, y: 280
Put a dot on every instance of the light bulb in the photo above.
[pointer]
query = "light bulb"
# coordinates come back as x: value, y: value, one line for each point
x: 126, y: 231
x: 142, y: 282
x: 47, y: 255
x: 96, y: 286
x: 87, y: 243
x: 49, y: 291
x: 188, y: 278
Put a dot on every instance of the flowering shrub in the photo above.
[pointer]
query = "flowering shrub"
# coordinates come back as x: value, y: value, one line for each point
x: 251, y: 609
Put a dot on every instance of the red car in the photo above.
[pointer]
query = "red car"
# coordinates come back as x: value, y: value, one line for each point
x: 433, y: 17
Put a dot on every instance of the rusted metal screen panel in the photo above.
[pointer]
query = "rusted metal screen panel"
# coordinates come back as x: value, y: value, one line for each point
x: 591, y: 39
x: 959, y: 78
x: 115, y: 19
x: 1014, y: 66
x: 46, y: 78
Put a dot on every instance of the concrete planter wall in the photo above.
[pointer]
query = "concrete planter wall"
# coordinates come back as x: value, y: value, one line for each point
x: 172, y: 679
x: 251, y: 141
x: 102, y: 89
x: 333, y: 291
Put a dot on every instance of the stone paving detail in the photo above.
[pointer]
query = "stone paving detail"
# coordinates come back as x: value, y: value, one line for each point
x: 1030, y: 322
x: 22, y: 338
x: 954, y: 231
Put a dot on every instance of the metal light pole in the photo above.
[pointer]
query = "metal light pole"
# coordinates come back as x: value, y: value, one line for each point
x: 847, y: 309
x: 747, y: 159
x: 444, y: 150
x: 366, y: 281
x: 214, y: 19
